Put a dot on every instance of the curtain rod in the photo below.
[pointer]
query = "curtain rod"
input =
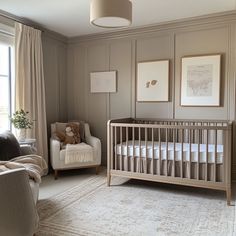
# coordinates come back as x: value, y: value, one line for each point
x: 16, y: 19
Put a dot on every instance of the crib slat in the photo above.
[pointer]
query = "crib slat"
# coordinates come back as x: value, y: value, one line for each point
x: 111, y: 151
x: 215, y: 162
x: 127, y: 156
x: 182, y: 152
x: 190, y: 152
x: 133, y: 138
x: 121, y: 157
x: 201, y: 133
x: 167, y: 143
x: 139, y: 143
x: 174, y: 140
x: 115, y: 148
x: 206, y: 172
x: 152, y: 151
x: 159, y: 134
x: 198, y: 155
x: 146, y: 152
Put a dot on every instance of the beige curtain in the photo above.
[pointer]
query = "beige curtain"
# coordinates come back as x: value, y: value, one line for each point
x: 30, y: 91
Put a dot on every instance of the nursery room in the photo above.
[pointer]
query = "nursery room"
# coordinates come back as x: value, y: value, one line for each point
x: 117, y: 117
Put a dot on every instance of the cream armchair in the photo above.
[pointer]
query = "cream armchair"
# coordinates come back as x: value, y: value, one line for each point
x: 58, y: 152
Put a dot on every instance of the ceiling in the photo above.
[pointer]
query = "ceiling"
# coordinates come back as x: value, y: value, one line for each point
x: 71, y: 17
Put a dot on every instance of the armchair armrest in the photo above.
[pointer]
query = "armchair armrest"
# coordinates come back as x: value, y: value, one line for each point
x: 96, y: 144
x: 54, y: 150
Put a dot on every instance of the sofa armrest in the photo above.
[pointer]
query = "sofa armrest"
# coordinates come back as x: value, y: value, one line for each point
x: 18, y: 211
x: 96, y: 144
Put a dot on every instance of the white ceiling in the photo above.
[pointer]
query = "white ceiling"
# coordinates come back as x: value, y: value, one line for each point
x: 71, y: 17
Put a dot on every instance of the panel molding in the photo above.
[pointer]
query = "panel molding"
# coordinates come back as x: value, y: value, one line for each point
x: 209, y: 20
x: 10, y: 19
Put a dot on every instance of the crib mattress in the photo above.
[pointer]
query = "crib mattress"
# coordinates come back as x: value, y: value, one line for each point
x: 145, y: 151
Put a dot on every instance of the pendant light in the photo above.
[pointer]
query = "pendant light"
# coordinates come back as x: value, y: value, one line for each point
x: 111, y: 13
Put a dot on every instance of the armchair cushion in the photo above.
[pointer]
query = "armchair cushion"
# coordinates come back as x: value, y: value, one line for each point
x: 60, y: 127
x: 9, y: 146
x: 70, y: 135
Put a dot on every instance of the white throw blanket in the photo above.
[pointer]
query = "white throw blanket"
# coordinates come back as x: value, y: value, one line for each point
x: 33, y: 164
x: 80, y: 152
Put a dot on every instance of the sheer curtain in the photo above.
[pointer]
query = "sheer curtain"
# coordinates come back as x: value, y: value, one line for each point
x: 30, y: 90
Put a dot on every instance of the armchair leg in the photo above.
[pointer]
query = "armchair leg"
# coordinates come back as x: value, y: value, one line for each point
x: 97, y: 169
x: 55, y: 174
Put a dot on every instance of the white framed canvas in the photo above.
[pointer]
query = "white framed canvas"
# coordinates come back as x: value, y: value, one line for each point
x: 200, y: 80
x: 103, y: 82
x: 153, y: 81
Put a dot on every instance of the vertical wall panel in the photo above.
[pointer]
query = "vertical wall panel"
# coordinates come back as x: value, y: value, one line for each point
x: 150, y: 49
x: 62, y: 82
x: 71, y: 77
x: 202, y: 42
x: 76, y: 60
x: 54, y: 53
x: 121, y: 61
x: 96, y: 103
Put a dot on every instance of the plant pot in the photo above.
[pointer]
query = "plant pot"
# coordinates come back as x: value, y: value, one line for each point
x: 21, y: 134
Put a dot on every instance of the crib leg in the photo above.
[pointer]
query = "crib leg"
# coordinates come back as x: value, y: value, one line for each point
x: 108, y: 179
x: 228, y: 195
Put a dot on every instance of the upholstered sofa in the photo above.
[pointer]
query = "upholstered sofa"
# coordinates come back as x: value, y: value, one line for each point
x: 19, y: 194
x: 18, y: 214
x: 10, y: 148
x: 26, y: 150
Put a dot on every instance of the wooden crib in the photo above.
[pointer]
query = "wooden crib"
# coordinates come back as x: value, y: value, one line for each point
x: 185, y: 152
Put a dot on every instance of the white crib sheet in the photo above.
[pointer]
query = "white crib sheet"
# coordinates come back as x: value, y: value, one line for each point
x: 143, y: 151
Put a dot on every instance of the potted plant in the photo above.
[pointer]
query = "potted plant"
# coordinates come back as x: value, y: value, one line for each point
x: 21, y: 122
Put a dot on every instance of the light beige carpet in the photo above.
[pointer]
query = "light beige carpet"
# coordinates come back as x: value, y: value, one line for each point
x: 135, y: 208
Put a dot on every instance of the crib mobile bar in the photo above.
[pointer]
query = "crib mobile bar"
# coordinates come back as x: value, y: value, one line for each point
x: 193, y: 153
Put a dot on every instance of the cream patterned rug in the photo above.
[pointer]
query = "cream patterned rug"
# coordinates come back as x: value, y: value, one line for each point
x: 135, y: 208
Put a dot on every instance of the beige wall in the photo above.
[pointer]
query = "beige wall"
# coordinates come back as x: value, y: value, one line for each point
x: 67, y: 65
x: 121, y: 51
x: 54, y: 53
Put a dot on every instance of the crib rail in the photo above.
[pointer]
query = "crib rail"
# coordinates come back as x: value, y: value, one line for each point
x: 190, y: 152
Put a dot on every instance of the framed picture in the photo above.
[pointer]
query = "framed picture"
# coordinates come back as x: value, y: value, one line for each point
x: 200, y: 82
x: 103, y: 82
x: 153, y: 81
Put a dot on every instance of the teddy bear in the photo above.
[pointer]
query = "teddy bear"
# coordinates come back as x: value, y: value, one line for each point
x: 71, y: 134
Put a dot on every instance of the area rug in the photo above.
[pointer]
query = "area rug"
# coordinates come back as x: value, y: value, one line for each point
x: 135, y: 208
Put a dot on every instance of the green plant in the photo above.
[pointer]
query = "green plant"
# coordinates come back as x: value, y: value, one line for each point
x: 20, y: 120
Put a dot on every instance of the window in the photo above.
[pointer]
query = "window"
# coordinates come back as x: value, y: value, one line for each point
x: 7, y: 95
